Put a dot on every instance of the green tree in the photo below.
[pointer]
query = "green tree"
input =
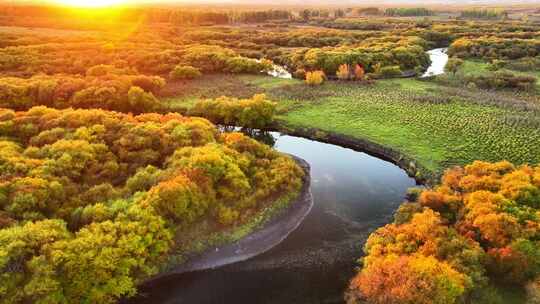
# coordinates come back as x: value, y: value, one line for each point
x: 453, y: 65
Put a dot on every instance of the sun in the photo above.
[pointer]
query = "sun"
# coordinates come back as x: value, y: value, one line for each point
x: 90, y: 3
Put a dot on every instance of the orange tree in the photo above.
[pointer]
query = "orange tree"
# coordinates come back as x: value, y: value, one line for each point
x: 481, y: 225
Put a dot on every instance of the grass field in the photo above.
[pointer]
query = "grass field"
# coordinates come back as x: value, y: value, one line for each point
x: 432, y: 124
x: 478, y: 67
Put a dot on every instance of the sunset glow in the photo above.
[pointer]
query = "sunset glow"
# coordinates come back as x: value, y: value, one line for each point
x: 90, y: 3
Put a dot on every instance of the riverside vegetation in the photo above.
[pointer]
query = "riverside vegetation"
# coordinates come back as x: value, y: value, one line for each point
x: 93, y: 202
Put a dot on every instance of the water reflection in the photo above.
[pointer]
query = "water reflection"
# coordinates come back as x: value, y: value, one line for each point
x: 354, y: 194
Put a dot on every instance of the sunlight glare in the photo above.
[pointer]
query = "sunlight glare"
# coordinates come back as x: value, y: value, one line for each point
x: 90, y: 3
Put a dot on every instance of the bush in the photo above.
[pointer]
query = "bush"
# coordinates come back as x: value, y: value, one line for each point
x: 299, y: 74
x: 490, y: 48
x: 100, y: 70
x: 390, y: 71
x: 453, y: 65
x: 503, y: 80
x: 141, y: 101
x: 246, y: 65
x: 256, y: 112
x: 343, y: 72
x: 179, y: 200
x: 185, y: 72
x: 359, y: 73
x: 533, y: 292
x: 148, y: 84
x: 315, y: 78
x: 406, y: 52
x: 524, y: 64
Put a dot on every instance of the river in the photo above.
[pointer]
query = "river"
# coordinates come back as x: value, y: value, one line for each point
x: 439, y: 58
x: 354, y: 193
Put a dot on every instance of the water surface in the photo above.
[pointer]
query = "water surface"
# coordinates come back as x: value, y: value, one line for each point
x: 354, y: 193
x: 439, y: 58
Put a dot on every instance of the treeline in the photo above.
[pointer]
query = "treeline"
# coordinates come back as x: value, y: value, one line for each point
x: 255, y: 113
x: 103, y: 87
x: 483, y: 14
x: 373, y: 55
x: 494, y: 48
x: 91, y: 201
x: 452, y: 243
x: 260, y: 16
x: 177, y: 16
x: 408, y: 12
x: 157, y: 58
x: 52, y: 16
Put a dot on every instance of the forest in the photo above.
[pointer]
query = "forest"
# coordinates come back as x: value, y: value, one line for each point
x: 480, y: 226
x: 129, y: 143
x: 118, y: 187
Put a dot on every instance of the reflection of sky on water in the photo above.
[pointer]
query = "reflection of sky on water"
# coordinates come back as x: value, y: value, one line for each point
x: 346, y: 179
x: 354, y: 193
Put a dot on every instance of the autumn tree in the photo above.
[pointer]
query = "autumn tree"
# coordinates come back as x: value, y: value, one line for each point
x: 453, y: 65
x: 359, y: 72
x: 482, y: 221
x: 409, y: 279
x: 89, y: 199
x: 256, y: 112
x: 343, y: 72
x: 315, y: 78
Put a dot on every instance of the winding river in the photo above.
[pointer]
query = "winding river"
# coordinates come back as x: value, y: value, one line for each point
x: 354, y: 193
x: 439, y: 58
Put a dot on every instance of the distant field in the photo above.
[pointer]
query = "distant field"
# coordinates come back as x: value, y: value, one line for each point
x: 20, y: 30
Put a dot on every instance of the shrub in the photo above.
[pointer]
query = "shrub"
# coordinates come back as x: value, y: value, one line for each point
x: 256, y: 112
x: 147, y: 83
x: 503, y: 80
x: 100, y: 70
x: 492, y: 47
x: 315, y: 78
x: 359, y: 72
x: 179, y: 200
x: 299, y: 74
x: 523, y: 64
x: 141, y: 101
x: 453, y: 65
x: 185, y: 72
x: 533, y: 292
x: 343, y: 72
x: 247, y: 65
x: 390, y: 71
